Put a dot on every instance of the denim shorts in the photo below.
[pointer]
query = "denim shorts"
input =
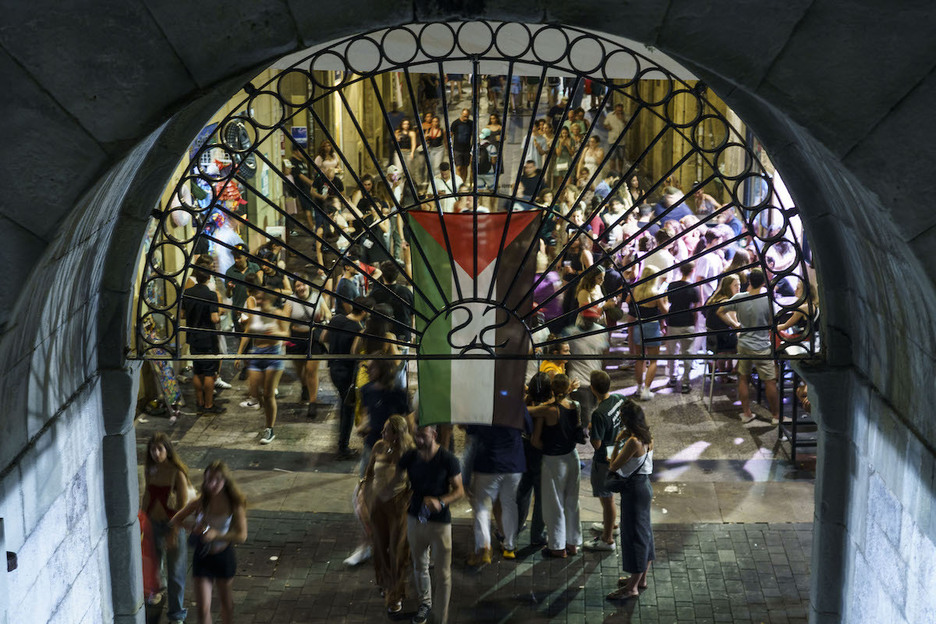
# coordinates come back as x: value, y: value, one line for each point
x: 648, y: 332
x: 262, y: 365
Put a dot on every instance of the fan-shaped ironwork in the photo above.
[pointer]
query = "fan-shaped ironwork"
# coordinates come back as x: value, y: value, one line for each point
x: 584, y: 200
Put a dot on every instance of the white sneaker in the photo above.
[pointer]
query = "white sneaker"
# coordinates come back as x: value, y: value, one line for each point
x: 220, y: 383
x: 268, y: 436
x: 599, y: 528
x: 250, y: 402
x: 645, y: 394
x: 599, y: 544
x: 359, y: 556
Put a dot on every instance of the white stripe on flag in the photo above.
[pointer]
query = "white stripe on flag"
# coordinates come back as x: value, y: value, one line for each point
x: 473, y: 380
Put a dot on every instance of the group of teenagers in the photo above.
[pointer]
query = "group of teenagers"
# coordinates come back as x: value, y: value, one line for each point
x: 410, y: 477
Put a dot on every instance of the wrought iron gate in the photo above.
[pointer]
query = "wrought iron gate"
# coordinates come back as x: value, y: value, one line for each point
x: 390, y: 193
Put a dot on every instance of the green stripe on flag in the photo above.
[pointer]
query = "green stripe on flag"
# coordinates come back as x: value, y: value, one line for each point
x: 435, y: 377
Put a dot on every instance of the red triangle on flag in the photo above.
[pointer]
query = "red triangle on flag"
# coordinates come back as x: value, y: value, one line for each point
x: 460, y: 230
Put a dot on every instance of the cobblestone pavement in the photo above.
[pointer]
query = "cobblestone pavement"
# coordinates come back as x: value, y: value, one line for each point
x: 732, y: 521
x: 290, y: 571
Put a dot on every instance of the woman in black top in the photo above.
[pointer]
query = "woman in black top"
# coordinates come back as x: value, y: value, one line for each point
x: 406, y: 139
x: 556, y: 421
x: 435, y: 141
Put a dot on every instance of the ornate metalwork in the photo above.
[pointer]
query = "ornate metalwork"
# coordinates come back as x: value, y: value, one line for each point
x: 575, y: 187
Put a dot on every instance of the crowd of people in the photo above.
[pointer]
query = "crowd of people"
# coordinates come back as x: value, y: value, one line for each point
x: 410, y: 480
x: 609, y: 258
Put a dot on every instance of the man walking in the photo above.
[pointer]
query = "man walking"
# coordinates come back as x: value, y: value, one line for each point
x: 339, y: 336
x: 435, y: 479
x: 499, y: 463
x: 753, y: 311
x: 462, y: 137
x: 200, y: 312
x: 605, y: 424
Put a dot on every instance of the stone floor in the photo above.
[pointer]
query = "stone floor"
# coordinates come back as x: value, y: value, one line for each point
x: 732, y: 520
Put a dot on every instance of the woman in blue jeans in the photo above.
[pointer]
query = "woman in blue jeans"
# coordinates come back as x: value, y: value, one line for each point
x: 166, y: 479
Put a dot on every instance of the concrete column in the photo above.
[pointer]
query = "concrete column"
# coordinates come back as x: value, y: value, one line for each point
x: 4, y: 593
x: 121, y: 495
x: 835, y: 397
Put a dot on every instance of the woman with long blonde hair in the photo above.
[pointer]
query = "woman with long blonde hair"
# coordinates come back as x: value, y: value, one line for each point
x: 219, y: 522
x: 648, y: 331
x: 387, y: 499
x: 723, y: 341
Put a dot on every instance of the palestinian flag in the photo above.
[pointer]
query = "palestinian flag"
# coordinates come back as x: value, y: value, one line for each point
x: 480, y: 313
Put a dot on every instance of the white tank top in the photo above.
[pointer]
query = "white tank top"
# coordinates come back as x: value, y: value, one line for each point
x: 637, y: 465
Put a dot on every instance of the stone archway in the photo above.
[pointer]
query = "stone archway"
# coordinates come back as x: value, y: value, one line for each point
x: 871, y: 378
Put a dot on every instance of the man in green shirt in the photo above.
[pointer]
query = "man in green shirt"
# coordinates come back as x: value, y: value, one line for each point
x: 605, y: 424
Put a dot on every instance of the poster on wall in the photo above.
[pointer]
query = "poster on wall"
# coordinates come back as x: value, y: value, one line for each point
x: 300, y: 135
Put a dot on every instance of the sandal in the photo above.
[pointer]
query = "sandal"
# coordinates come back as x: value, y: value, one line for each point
x: 622, y: 582
x: 621, y: 594
x: 555, y: 554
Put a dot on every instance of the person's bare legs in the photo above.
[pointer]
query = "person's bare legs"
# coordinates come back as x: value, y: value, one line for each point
x: 203, y: 599
x: 651, y: 366
x: 271, y: 379
x: 208, y: 384
x: 254, y: 384
x: 744, y: 394
x: 311, y: 369
x: 632, y: 583
x: 773, y: 398
x: 198, y: 382
x: 651, y: 373
x: 609, y: 516
x: 638, y: 373
x: 226, y: 598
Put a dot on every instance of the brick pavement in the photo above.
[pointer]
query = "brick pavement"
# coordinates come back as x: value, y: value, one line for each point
x: 716, y: 483
x: 290, y: 571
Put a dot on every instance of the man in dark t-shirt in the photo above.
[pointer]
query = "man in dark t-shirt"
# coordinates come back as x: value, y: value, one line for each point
x: 556, y: 113
x: 462, y: 137
x: 605, y: 425
x: 298, y: 167
x: 684, y: 298
x: 499, y: 463
x: 435, y: 479
x: 200, y: 310
x: 397, y: 296
x: 529, y: 179
x: 339, y: 336
x: 237, y: 283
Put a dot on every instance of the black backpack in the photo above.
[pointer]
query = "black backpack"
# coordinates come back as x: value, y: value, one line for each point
x: 484, y: 160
